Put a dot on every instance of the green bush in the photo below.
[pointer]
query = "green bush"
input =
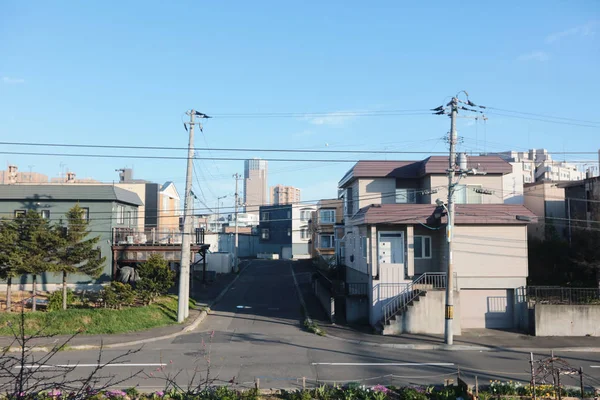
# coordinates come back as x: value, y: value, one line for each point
x: 156, y: 278
x: 55, y: 300
x: 118, y: 295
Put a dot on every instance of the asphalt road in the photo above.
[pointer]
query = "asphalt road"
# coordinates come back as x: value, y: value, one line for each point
x: 256, y: 332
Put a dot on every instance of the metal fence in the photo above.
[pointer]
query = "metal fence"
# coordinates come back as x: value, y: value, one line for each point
x: 562, y: 295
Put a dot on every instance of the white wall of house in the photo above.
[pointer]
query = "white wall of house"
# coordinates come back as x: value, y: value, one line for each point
x: 376, y: 191
x: 491, y: 182
x: 512, y: 185
x: 490, y: 256
x: 301, y: 214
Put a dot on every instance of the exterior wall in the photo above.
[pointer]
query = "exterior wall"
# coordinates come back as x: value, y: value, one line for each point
x: 279, y: 225
x: 247, y: 244
x: 255, y: 184
x: 545, y: 200
x: 300, y: 225
x: 437, y: 262
x: 512, y: 185
x: 325, y: 298
x: 169, y: 205
x: 102, y: 221
x: 280, y: 194
x: 426, y: 316
x: 376, y: 191
x: 567, y: 320
x: 491, y: 182
x: 490, y: 256
x: 140, y: 190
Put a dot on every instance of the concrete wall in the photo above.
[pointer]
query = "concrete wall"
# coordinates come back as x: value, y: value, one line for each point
x: 357, y: 310
x: 325, y: 298
x: 567, y: 320
x: 426, y: 316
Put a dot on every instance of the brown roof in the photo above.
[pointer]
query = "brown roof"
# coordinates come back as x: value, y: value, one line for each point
x: 419, y: 168
x: 485, y: 214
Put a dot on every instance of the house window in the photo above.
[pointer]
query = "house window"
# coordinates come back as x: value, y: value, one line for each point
x: 406, y: 196
x: 264, y: 216
x: 327, y: 216
x: 19, y: 213
x: 129, y: 218
x: 363, y: 246
x: 289, y: 231
x: 466, y: 194
x: 326, y: 241
x: 120, y: 214
x: 45, y: 214
x: 86, y: 213
x: 289, y: 214
x: 422, y: 247
x: 264, y: 234
x: 305, y: 215
x: 303, y: 233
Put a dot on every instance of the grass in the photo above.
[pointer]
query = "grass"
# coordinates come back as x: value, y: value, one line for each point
x: 96, y: 321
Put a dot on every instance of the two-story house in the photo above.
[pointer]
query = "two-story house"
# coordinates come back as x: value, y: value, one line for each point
x: 395, y: 234
x: 283, y: 230
x: 328, y: 214
x: 108, y: 209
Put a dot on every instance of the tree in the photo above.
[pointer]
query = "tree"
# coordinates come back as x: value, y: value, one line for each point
x: 156, y: 278
x: 11, y: 257
x: 77, y: 253
x: 39, y: 243
x: 585, y: 253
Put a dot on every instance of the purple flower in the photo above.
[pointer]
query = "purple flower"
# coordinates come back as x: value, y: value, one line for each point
x: 54, y: 393
x: 380, y: 388
x: 160, y: 394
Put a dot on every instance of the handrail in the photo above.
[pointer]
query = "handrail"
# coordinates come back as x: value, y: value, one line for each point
x: 437, y: 280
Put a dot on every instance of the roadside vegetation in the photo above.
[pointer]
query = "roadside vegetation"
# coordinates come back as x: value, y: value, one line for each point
x: 31, y: 245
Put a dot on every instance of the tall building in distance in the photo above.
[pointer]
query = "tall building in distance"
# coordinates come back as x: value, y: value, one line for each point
x: 255, y: 184
x: 538, y: 166
x: 284, y: 195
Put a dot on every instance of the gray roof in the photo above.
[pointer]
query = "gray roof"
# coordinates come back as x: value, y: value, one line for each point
x: 69, y: 192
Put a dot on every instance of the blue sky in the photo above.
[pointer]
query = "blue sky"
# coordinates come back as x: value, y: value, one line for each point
x: 125, y: 72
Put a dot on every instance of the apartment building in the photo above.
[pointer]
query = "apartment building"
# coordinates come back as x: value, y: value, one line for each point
x: 538, y: 166
x: 281, y: 194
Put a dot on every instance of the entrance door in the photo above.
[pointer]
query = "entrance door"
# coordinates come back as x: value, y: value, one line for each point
x: 391, y: 249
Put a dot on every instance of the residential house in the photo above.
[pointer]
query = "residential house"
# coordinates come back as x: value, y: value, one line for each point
x: 283, y: 230
x: 395, y: 242
x: 547, y: 201
x: 582, y: 204
x: 328, y: 214
x: 108, y: 208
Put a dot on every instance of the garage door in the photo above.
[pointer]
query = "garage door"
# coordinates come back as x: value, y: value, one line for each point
x: 482, y: 308
x: 286, y: 253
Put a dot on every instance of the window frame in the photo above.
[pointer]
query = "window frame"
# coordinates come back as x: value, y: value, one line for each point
x: 264, y: 234
x: 423, y: 239
x: 19, y: 212
x: 411, y: 194
x: 86, y: 213
x: 363, y: 246
x: 331, y: 241
x: 120, y: 214
x: 47, y: 214
x: 305, y: 215
x: 304, y: 233
x: 264, y: 216
x: 467, y: 188
x: 327, y: 211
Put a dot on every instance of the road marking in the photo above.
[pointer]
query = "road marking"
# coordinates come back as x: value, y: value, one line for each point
x: 88, y: 365
x: 388, y: 364
x: 594, y: 366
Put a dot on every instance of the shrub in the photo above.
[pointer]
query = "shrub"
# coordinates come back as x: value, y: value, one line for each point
x: 118, y: 295
x: 156, y: 278
x: 56, y: 298
x: 412, y: 393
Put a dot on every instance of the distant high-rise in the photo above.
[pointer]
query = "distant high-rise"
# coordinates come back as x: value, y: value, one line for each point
x: 284, y: 195
x: 255, y: 184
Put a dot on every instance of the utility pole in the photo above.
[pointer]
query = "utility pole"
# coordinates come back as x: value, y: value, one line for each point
x: 462, y: 169
x: 183, y: 307
x: 448, y: 332
x: 237, y: 177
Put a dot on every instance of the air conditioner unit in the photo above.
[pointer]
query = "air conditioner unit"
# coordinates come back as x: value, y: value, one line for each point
x: 129, y: 239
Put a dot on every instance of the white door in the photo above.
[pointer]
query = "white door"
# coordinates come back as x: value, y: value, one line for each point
x: 391, y: 249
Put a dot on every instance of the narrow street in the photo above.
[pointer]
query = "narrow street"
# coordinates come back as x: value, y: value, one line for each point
x: 256, y: 332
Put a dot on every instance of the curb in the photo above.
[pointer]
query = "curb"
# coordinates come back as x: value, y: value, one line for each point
x: 187, y: 329
x: 307, y: 319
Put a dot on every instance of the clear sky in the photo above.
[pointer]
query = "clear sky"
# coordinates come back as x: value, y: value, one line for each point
x: 124, y: 72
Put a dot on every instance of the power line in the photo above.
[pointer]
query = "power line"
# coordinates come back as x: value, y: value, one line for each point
x: 234, y: 149
x: 543, y: 116
x: 544, y: 120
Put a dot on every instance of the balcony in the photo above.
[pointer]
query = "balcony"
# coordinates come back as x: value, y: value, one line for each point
x: 151, y: 237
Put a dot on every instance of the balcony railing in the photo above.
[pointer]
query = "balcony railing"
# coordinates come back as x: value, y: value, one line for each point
x: 152, y: 236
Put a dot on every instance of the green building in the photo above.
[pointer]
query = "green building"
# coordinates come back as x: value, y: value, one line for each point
x: 107, y: 208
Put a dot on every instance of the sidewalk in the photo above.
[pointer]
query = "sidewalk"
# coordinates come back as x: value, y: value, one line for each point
x: 204, y: 295
x: 480, y: 339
